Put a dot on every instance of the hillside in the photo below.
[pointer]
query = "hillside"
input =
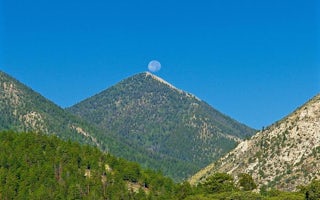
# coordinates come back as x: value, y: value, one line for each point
x: 170, y: 129
x: 23, y: 109
x: 284, y: 155
x: 55, y: 169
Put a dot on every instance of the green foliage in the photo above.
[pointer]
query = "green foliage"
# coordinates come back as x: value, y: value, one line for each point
x: 287, y: 196
x: 35, y: 166
x: 220, y: 186
x: 183, y: 190
x: 219, y: 182
x: 246, y: 182
x: 274, y: 194
x: 237, y: 196
x: 312, y: 191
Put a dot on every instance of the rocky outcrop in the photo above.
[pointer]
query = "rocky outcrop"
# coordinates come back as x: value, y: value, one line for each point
x: 284, y: 155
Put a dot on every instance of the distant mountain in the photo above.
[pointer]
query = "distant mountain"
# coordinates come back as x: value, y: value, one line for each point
x: 167, y: 128
x: 284, y: 155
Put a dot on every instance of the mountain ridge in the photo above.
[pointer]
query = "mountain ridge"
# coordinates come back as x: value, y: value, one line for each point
x: 145, y: 119
x: 170, y: 85
x: 284, y: 155
x: 23, y: 109
x: 26, y: 110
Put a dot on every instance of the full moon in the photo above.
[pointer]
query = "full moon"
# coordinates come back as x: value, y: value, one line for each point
x: 154, y: 66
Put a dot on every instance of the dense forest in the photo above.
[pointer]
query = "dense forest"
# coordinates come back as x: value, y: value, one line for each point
x: 36, y: 166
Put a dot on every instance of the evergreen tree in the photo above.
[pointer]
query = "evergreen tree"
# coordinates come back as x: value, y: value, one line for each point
x: 246, y: 182
x: 219, y: 182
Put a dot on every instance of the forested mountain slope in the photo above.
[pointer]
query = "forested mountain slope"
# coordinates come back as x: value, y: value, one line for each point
x: 36, y: 166
x: 22, y: 109
x: 172, y: 130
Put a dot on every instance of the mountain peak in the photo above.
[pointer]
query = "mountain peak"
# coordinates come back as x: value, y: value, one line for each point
x: 161, y: 80
x: 157, y: 78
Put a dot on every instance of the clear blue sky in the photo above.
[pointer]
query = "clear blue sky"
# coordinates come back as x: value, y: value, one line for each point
x: 255, y: 61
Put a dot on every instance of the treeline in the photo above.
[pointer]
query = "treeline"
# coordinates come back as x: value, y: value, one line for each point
x: 36, y: 166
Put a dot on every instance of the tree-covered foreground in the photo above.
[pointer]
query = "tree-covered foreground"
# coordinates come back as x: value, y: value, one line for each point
x: 36, y: 166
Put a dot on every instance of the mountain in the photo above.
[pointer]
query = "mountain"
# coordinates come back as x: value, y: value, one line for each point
x: 171, y: 130
x: 23, y: 109
x: 284, y: 155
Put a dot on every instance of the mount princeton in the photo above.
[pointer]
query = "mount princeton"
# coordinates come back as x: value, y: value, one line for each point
x: 142, y: 118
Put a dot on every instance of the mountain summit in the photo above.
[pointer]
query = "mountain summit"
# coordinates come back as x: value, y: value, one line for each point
x: 170, y: 129
x: 284, y: 155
